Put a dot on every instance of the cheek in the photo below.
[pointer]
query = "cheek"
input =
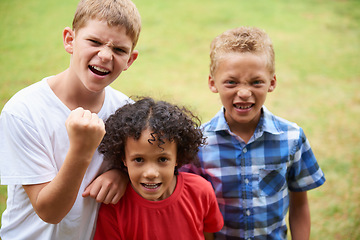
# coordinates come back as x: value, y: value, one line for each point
x: 261, y: 94
x: 227, y: 97
x: 134, y: 172
x: 168, y: 173
x: 120, y: 62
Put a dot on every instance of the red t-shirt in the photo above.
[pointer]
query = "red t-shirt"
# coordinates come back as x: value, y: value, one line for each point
x: 191, y: 210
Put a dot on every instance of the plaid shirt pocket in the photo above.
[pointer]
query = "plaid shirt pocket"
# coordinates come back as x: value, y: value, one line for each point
x: 272, y: 181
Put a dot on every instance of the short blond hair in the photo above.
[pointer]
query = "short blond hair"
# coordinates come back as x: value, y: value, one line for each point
x: 242, y: 40
x: 114, y: 12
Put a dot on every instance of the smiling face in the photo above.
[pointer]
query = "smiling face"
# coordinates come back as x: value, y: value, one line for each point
x: 99, y: 54
x: 242, y: 81
x: 150, y: 167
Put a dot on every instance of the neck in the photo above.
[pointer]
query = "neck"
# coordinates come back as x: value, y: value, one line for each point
x: 244, y: 134
x: 75, y: 96
x: 243, y: 130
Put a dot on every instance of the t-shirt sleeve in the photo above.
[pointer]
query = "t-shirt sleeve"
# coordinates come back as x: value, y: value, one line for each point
x: 107, y: 225
x: 23, y: 157
x: 213, y: 221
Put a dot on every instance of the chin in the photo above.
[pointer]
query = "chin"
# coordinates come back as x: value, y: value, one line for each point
x: 95, y: 88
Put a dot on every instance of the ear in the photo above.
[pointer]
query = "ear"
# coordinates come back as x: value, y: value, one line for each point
x: 132, y: 58
x: 211, y: 84
x: 68, y: 39
x: 272, y: 84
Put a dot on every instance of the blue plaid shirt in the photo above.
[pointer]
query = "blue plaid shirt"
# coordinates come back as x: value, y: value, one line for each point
x: 252, y: 181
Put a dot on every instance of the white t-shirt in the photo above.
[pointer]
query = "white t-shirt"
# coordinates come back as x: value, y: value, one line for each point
x: 33, y: 146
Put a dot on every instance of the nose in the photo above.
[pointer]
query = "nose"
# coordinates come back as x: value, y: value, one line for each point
x: 105, y: 54
x: 244, y: 93
x: 151, y: 172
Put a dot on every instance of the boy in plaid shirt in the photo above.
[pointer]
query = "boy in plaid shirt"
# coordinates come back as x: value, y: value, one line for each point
x: 260, y: 165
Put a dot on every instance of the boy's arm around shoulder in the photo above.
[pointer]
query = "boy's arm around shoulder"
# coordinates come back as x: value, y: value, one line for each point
x: 85, y: 131
x: 109, y: 187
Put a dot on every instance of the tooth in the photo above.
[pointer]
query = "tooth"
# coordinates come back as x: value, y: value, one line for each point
x: 100, y: 69
x: 243, y: 107
x: 151, y: 185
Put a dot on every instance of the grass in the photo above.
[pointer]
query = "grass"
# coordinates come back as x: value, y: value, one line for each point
x: 317, y: 45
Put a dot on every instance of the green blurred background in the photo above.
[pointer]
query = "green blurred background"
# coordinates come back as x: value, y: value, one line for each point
x: 317, y: 45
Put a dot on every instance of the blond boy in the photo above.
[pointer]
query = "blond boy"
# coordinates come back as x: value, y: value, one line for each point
x: 260, y: 165
x: 51, y: 129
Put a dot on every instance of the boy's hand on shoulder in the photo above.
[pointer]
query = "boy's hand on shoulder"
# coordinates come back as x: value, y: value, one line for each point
x: 85, y: 131
x: 107, y: 188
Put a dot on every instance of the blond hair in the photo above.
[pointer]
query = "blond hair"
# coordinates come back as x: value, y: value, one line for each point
x: 242, y: 40
x: 114, y: 12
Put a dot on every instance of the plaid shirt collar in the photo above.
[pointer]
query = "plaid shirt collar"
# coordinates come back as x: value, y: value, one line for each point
x: 267, y: 123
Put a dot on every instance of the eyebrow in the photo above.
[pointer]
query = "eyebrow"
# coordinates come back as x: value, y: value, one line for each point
x: 111, y: 44
x: 140, y: 155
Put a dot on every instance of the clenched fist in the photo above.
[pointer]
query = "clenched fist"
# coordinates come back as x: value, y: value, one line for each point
x: 85, y: 131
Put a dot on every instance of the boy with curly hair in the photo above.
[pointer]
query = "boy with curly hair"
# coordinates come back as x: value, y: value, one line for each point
x: 50, y: 130
x: 150, y: 140
x: 260, y: 165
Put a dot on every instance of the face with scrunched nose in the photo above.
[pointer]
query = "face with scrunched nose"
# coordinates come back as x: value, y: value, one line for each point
x: 242, y: 81
x: 99, y: 53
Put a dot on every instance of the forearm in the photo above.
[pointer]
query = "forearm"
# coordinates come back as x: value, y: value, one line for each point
x: 299, y: 216
x: 52, y: 201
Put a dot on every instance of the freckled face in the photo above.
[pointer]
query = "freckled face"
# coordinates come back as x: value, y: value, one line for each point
x: 242, y: 81
x: 151, y: 168
x: 99, y: 53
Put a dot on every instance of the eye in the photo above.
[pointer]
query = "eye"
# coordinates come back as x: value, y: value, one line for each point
x: 94, y: 42
x: 119, y: 50
x: 230, y: 83
x: 138, y: 160
x: 163, y: 159
x: 257, y: 83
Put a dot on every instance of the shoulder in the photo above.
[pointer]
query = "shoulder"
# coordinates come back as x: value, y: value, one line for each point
x: 197, y: 191
x: 217, y: 123
x: 26, y: 94
x: 116, y: 95
x: 114, y: 99
x: 207, y: 126
x: 190, y: 177
x: 29, y: 101
x: 278, y: 125
x: 195, y: 182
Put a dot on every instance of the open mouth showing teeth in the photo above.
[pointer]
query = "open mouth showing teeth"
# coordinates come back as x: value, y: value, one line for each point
x: 243, y: 107
x: 151, y: 186
x: 98, y: 70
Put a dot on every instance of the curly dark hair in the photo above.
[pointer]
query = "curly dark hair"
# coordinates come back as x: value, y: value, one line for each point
x: 165, y: 121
